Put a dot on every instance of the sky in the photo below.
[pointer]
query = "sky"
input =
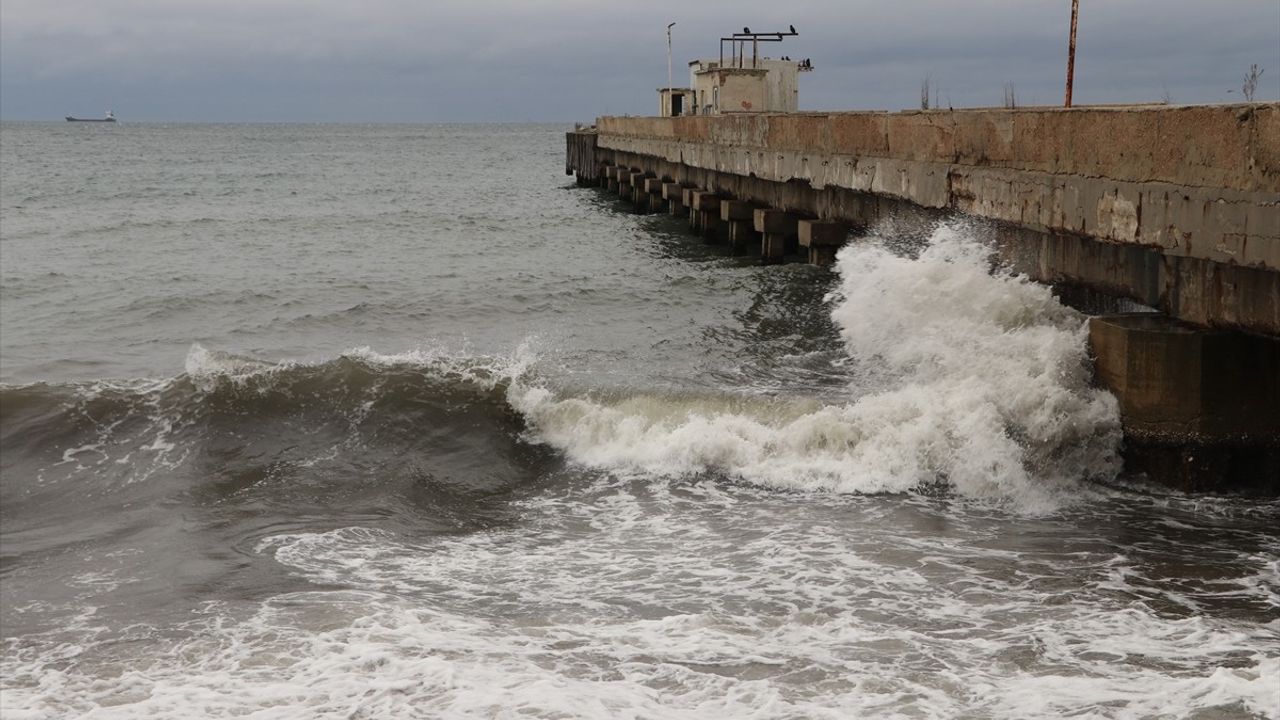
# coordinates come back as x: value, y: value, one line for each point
x: 573, y: 60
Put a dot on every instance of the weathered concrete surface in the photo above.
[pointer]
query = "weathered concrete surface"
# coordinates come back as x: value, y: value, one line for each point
x: 778, y: 233
x: 737, y: 218
x: 823, y: 238
x: 1215, y: 146
x: 1194, y: 190
x: 1200, y: 409
x: 1178, y: 382
x: 1199, y: 182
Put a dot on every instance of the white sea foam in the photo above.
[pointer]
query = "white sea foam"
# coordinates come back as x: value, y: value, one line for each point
x: 640, y: 599
x: 456, y: 363
x: 204, y: 365
x: 985, y: 386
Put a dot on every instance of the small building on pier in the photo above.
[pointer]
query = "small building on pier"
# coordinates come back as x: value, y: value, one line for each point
x: 751, y: 85
x: 674, y: 102
x: 744, y: 82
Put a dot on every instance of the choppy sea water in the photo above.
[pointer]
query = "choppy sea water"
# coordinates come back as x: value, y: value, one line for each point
x: 394, y: 421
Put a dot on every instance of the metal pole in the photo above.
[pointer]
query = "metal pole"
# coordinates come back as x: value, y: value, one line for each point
x: 671, y: 104
x: 1071, y: 49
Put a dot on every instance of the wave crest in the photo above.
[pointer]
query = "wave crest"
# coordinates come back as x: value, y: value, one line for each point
x: 983, y: 385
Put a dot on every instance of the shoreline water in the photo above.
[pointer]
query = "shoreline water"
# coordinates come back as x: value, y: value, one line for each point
x: 437, y: 440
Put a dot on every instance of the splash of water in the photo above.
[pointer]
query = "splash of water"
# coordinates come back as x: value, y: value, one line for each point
x: 982, y: 384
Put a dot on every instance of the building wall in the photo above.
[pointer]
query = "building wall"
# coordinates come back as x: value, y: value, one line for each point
x: 782, y: 86
x: 772, y: 86
x: 664, y: 101
x: 742, y: 92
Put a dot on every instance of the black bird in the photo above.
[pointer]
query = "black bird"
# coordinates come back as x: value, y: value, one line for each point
x: 746, y: 31
x: 793, y: 29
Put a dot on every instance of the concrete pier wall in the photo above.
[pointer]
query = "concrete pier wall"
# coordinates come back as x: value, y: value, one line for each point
x: 1176, y: 207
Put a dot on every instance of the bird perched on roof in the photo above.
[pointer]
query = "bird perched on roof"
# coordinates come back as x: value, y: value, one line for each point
x: 746, y: 31
x: 793, y: 29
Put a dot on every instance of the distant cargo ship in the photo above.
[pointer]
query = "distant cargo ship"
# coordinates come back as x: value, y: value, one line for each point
x: 109, y: 118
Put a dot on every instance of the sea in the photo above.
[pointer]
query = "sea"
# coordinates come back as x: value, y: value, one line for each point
x: 397, y: 421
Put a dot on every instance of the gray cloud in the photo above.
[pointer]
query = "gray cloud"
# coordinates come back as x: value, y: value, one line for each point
x: 490, y: 60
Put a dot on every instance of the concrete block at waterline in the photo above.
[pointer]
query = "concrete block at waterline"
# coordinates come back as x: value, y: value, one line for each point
x: 705, y: 202
x: 736, y: 210
x: 653, y: 186
x: 742, y: 237
x: 775, y: 222
x: 1177, y: 382
x: 773, y: 247
x: 611, y: 172
x: 637, y: 180
x: 823, y: 255
x: 825, y: 233
x: 672, y: 191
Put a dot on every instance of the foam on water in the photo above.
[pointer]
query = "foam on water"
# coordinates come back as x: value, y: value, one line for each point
x: 642, y: 599
x: 982, y: 383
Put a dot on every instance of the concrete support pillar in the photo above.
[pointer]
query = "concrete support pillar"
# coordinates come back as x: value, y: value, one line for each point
x: 777, y: 230
x: 653, y: 194
x: 737, y: 216
x: 624, y: 176
x: 639, y: 200
x: 602, y: 176
x: 611, y: 178
x: 671, y: 192
x: 706, y: 206
x: 624, y: 183
x: 823, y: 238
x: 1200, y: 408
x: 686, y: 196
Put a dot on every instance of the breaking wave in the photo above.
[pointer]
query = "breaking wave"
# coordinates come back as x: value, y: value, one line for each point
x: 974, y: 380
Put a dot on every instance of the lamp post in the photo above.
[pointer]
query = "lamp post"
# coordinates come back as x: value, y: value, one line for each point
x: 670, y: 101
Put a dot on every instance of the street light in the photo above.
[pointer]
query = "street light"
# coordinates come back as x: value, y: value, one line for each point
x: 670, y: 102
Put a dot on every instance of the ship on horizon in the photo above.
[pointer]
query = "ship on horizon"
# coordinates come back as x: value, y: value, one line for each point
x: 110, y: 117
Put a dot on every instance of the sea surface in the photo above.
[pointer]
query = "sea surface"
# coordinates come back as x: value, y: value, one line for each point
x: 340, y: 421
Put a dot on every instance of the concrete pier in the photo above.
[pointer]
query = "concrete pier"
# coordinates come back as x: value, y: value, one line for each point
x: 1177, y: 208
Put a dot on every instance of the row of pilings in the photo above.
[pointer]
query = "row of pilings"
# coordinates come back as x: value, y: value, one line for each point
x: 746, y: 228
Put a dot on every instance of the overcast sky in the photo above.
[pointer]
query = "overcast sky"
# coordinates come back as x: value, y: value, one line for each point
x: 566, y: 60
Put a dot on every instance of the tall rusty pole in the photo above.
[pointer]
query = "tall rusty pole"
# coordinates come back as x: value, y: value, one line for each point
x: 1071, y: 49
